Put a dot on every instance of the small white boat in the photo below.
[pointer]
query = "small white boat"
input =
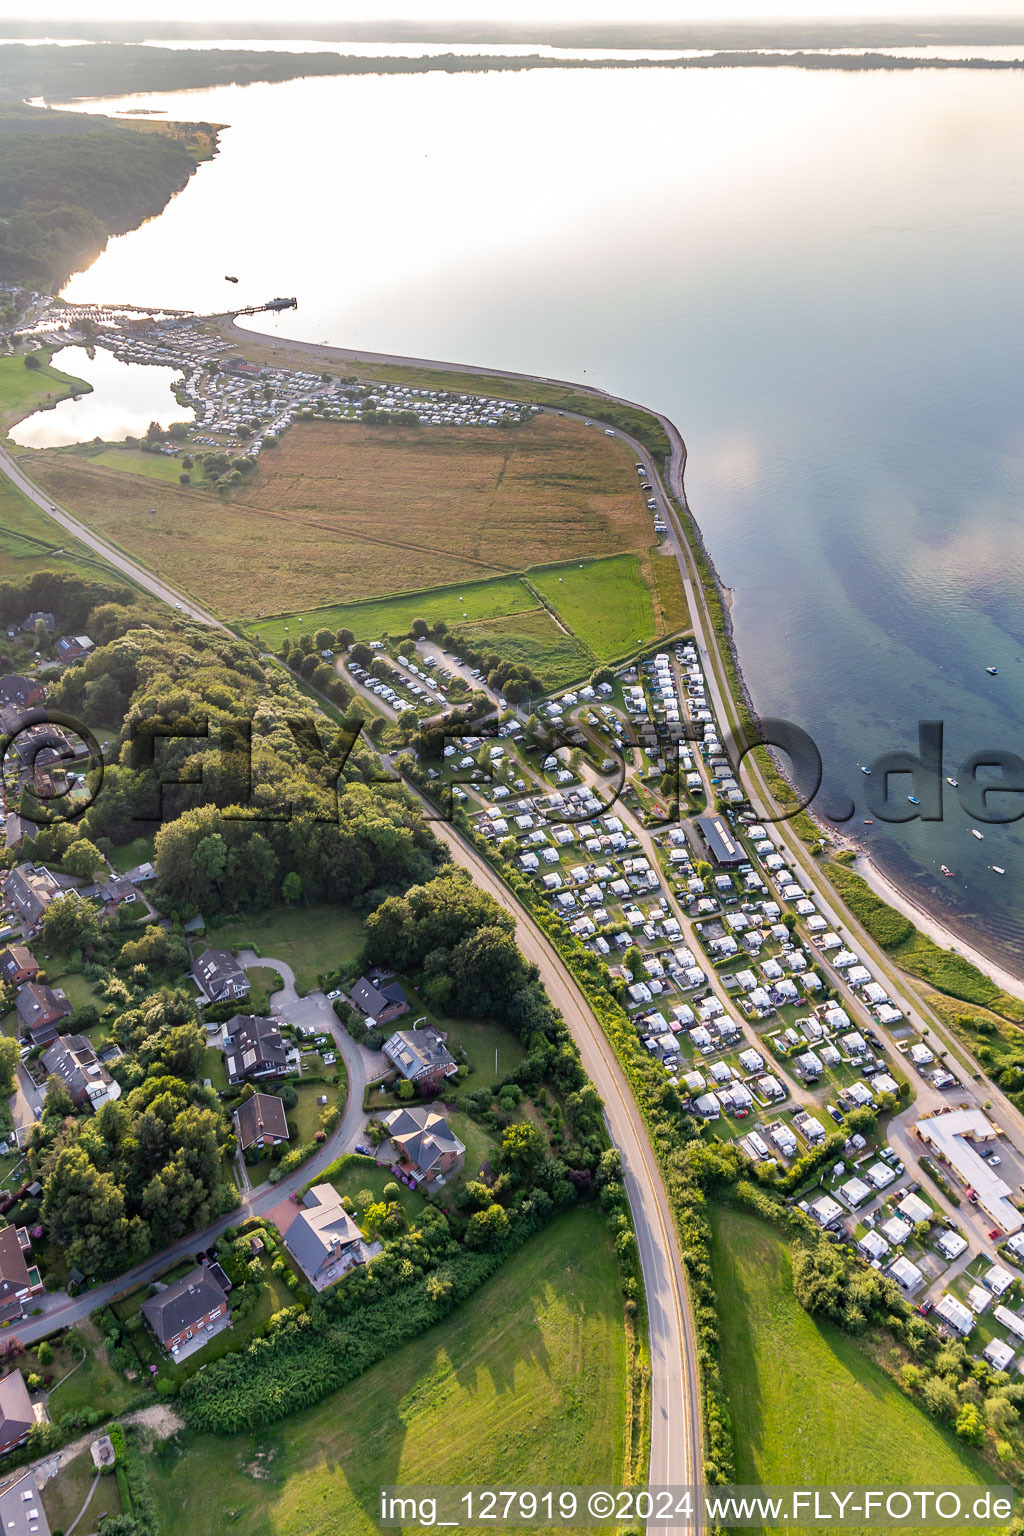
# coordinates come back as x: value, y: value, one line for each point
x: 992, y: 671
x: 999, y: 869
x: 955, y: 782
x: 863, y: 769
x: 913, y: 800
x: 946, y: 871
x: 977, y: 834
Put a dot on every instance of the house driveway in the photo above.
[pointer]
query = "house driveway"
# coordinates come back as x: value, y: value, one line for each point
x: 314, y: 1012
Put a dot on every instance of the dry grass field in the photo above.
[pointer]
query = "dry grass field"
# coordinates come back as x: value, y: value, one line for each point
x: 342, y: 512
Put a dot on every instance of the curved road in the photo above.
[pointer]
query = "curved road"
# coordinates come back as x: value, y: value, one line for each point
x: 676, y: 1425
x: 60, y: 1311
x: 136, y: 573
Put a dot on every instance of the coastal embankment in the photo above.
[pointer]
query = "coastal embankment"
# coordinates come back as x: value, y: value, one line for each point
x: 284, y: 351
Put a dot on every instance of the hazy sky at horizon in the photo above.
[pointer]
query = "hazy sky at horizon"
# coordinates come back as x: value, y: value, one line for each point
x: 554, y: 11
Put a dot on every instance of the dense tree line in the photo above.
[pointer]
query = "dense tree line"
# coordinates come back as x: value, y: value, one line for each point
x: 244, y: 786
x: 68, y: 181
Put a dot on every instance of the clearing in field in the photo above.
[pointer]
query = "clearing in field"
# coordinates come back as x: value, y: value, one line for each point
x: 525, y: 1383
x: 606, y: 603
x: 342, y: 512
x: 807, y: 1405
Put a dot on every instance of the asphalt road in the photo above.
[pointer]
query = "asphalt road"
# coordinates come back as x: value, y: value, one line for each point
x: 676, y: 1454
x: 136, y: 573
x: 60, y: 1311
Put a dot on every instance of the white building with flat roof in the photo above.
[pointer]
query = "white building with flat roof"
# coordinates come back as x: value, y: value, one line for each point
x: 954, y: 1136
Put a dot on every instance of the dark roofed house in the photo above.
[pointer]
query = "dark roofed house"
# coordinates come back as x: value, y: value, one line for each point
x: 74, y: 1061
x: 260, y: 1122
x: 17, y: 1415
x: 17, y: 1282
x: 40, y: 1010
x: 28, y: 625
x: 72, y: 647
x: 17, y: 965
x: 186, y: 1310
x: 421, y: 1056
x: 219, y: 976
x: 117, y: 891
x: 724, y: 847
x: 254, y: 1049
x: 383, y: 1001
x: 29, y: 890
x: 428, y: 1148
x: 323, y: 1239
x: 20, y: 692
x: 17, y: 828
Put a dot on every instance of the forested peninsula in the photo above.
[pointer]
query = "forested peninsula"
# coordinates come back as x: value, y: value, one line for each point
x: 69, y: 181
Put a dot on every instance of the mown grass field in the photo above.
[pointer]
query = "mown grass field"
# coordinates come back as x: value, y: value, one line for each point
x: 606, y: 603
x: 133, y: 461
x: 23, y: 390
x: 534, y: 639
x: 524, y: 1383
x: 808, y: 1406
x: 312, y: 940
x: 342, y: 512
x: 393, y: 615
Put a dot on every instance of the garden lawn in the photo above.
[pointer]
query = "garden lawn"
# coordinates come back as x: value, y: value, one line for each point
x: 139, y: 851
x: 807, y: 1404
x: 480, y: 1147
x: 356, y: 1173
x: 525, y: 1383
x: 64, y: 1495
x: 480, y: 1040
x: 606, y: 603
x: 214, y: 1068
x: 312, y: 940
x: 93, y: 1384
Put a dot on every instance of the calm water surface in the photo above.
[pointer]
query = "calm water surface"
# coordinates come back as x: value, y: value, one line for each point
x: 125, y: 398
x: 815, y: 274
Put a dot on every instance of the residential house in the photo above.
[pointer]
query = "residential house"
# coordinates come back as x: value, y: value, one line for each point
x: 380, y: 1000
x: 323, y: 1239
x: 17, y: 1281
x: 421, y: 1056
x: 20, y: 692
x: 17, y: 965
x: 73, y: 647
x: 428, y: 1148
x: 260, y: 1122
x: 74, y: 1061
x: 254, y: 1049
x: 40, y: 1010
x: 219, y: 976
x: 185, y: 1310
x: 29, y: 890
x: 17, y: 1414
